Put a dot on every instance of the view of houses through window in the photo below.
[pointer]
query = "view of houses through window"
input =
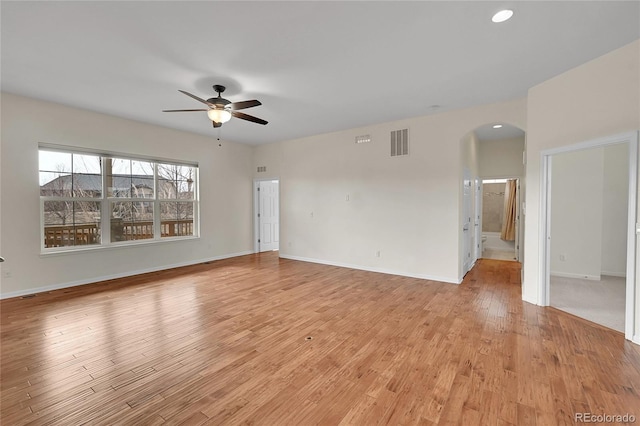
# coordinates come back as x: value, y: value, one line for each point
x: 88, y: 199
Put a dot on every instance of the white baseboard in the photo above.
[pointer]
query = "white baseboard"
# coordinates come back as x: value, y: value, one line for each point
x: 636, y: 339
x: 370, y: 269
x: 622, y: 274
x: 93, y: 280
x: 572, y: 275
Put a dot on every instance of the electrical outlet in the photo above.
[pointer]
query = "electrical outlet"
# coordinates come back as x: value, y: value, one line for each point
x: 378, y: 253
x: 563, y: 258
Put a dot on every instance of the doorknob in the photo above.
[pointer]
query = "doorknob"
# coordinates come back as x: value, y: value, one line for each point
x: 1, y: 259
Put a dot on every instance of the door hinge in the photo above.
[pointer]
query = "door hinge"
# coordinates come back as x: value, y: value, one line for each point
x: 258, y: 189
x: 258, y: 214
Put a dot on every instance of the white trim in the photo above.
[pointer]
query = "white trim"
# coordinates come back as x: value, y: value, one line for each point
x: 572, y: 275
x: 94, y: 280
x: 631, y: 139
x: 628, y: 137
x: 256, y: 210
x: 113, y: 154
x: 614, y: 274
x: 370, y: 269
x: 56, y: 251
x: 631, y: 314
x: 545, y: 232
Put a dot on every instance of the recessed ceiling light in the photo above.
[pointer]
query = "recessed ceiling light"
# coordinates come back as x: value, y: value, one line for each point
x: 497, y: 126
x: 502, y: 16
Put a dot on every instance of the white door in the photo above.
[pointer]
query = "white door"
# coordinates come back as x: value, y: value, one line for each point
x: 268, y: 216
x: 477, y: 222
x: 466, y: 222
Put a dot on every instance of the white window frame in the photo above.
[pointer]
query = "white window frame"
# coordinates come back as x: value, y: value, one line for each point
x: 106, y: 201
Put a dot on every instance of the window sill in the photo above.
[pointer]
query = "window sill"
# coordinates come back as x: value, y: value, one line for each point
x: 112, y: 246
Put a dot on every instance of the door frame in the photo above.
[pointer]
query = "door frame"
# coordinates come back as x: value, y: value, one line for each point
x: 256, y: 211
x: 518, y: 212
x: 467, y: 207
x: 546, y: 162
x: 477, y: 223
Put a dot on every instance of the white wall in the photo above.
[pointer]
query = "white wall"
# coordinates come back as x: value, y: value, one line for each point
x: 576, y: 213
x: 501, y: 158
x: 615, y: 209
x: 408, y: 208
x: 225, y: 193
x: 597, y: 99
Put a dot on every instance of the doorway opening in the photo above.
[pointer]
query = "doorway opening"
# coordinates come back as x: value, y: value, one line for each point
x: 500, y: 218
x: 588, y: 230
x: 490, y: 152
x: 266, y: 215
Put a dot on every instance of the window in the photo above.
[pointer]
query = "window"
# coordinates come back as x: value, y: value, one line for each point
x: 98, y: 200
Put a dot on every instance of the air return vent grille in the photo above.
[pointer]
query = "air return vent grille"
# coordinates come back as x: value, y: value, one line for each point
x: 262, y: 169
x: 400, y: 142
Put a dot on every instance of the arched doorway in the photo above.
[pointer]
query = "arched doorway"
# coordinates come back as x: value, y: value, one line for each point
x: 492, y: 153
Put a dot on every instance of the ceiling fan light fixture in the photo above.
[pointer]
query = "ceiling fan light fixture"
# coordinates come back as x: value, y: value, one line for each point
x: 219, y: 115
x: 502, y: 16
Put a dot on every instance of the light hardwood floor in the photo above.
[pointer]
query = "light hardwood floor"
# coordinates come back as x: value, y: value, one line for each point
x: 226, y: 343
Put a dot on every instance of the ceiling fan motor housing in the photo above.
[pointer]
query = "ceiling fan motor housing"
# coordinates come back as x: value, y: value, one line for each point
x: 219, y: 102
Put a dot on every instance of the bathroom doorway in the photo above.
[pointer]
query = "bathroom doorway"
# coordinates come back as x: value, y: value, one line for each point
x: 500, y: 218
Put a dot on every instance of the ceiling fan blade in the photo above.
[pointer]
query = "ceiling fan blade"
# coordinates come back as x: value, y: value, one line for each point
x: 195, y: 97
x: 248, y: 117
x: 245, y: 104
x: 216, y: 125
x: 183, y: 110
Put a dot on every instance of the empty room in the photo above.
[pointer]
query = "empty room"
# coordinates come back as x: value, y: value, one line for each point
x: 336, y: 213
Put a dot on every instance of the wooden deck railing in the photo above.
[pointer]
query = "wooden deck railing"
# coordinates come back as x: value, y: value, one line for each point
x: 70, y: 235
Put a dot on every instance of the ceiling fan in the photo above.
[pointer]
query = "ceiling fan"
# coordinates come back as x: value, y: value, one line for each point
x: 220, y: 110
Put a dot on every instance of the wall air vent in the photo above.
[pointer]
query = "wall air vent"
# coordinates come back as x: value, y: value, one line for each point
x: 363, y: 139
x: 400, y: 142
x: 262, y: 169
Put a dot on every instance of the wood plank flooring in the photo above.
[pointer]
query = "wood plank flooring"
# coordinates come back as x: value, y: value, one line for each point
x: 227, y: 343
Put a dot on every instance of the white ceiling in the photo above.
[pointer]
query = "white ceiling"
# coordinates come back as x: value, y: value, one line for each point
x: 507, y: 131
x: 317, y: 67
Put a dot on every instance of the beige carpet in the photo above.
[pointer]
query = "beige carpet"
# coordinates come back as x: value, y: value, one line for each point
x: 602, y: 302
